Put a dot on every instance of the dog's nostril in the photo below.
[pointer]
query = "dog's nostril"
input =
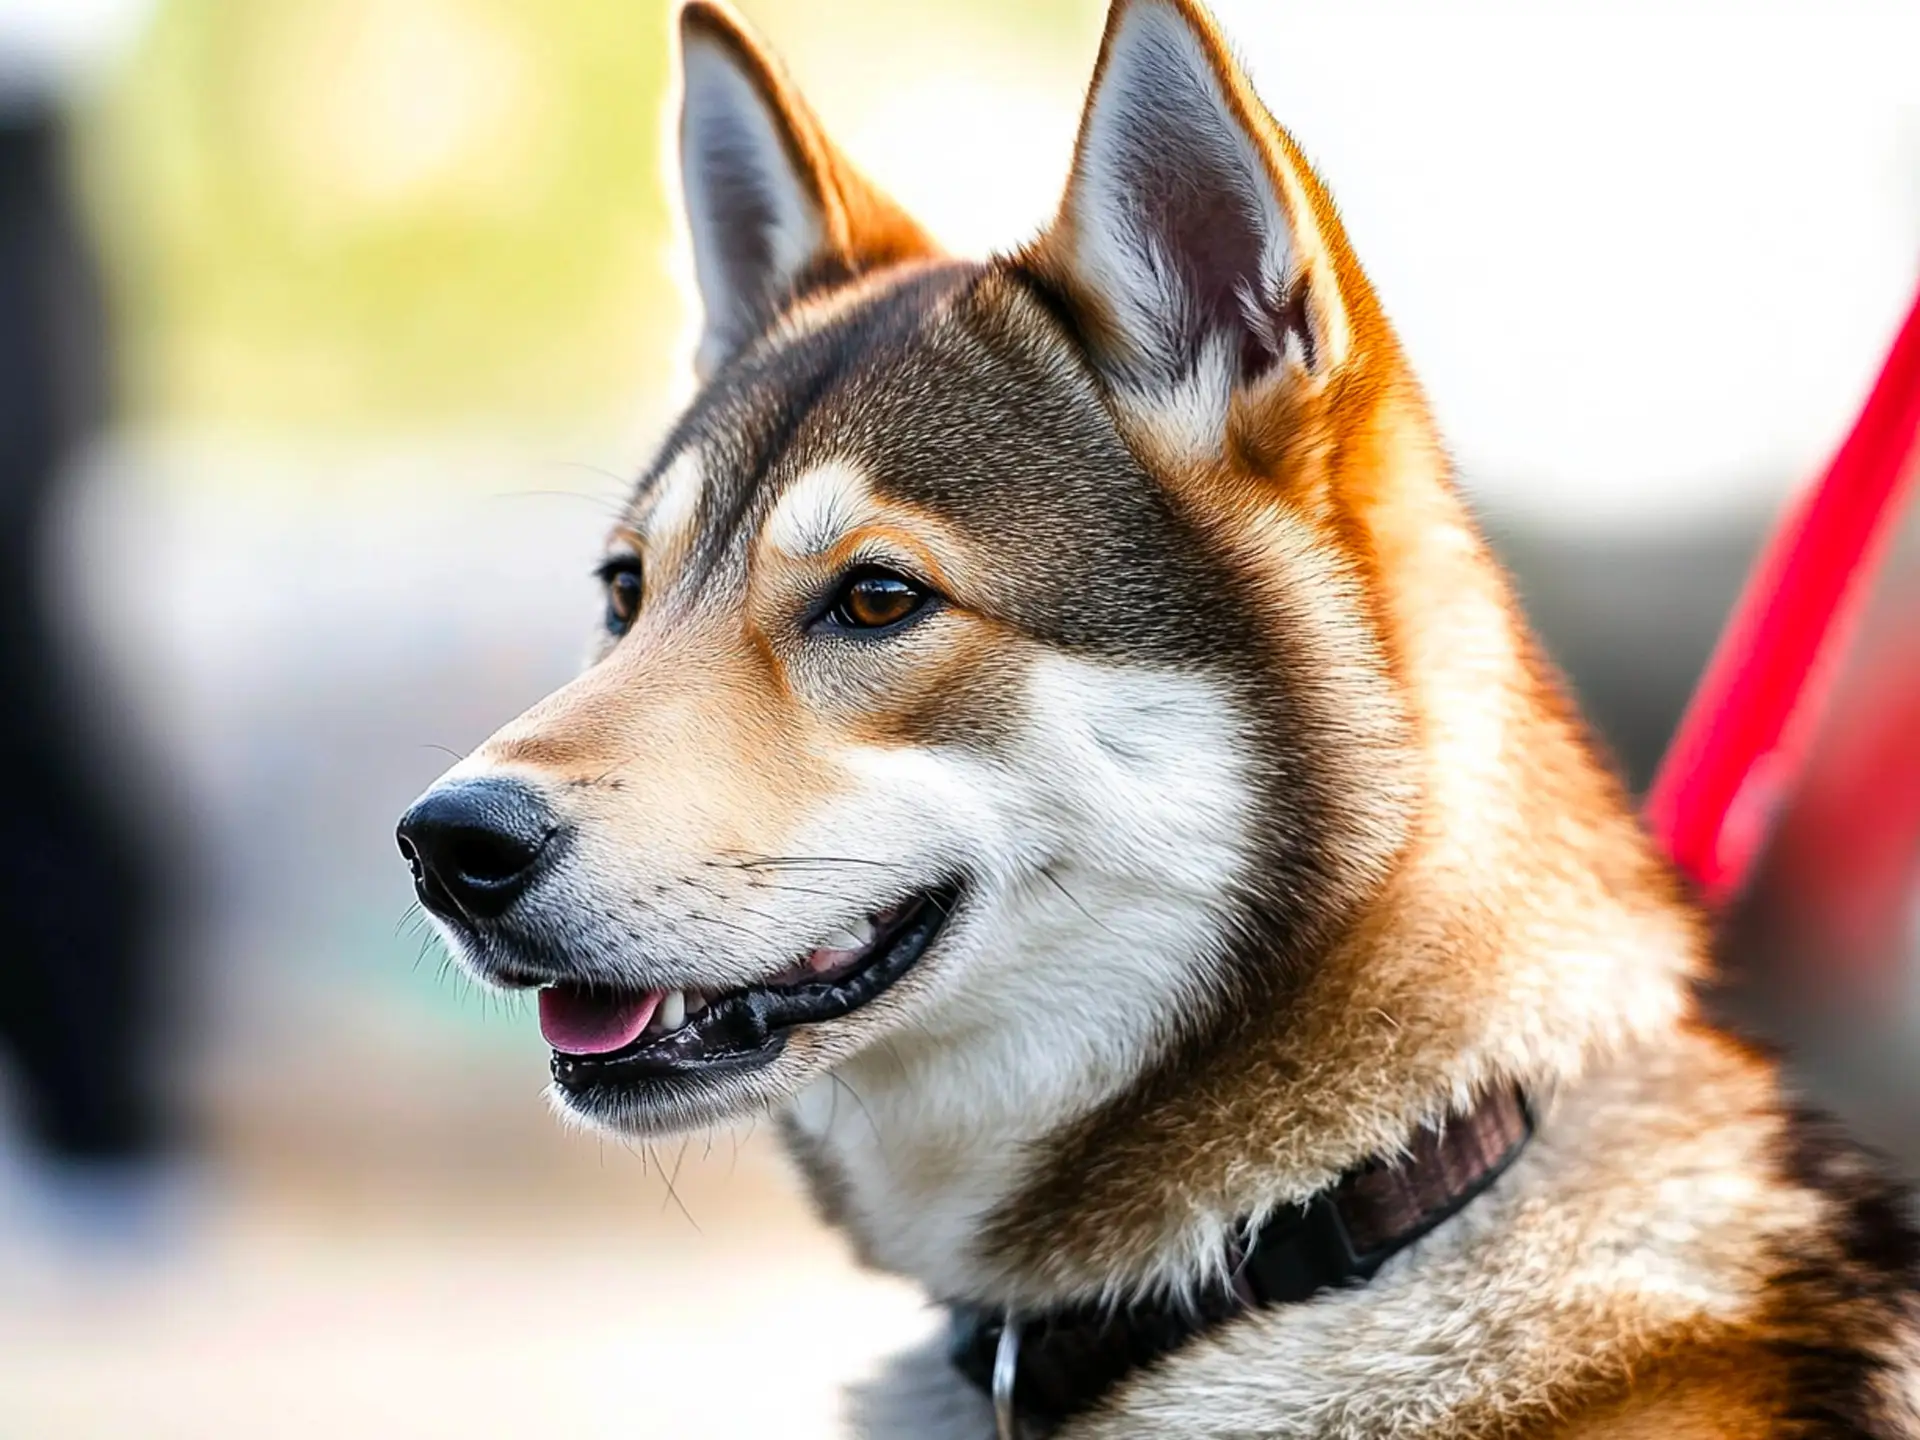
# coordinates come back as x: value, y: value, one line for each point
x: 489, y: 857
x: 475, y: 845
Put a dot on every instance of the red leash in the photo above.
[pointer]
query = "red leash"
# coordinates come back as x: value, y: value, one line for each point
x: 1742, y: 740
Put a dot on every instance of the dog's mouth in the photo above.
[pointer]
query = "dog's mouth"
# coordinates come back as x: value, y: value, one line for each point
x: 606, y: 1037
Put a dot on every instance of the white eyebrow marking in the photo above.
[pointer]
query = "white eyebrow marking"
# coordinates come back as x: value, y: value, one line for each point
x: 675, y: 499
x: 817, y: 509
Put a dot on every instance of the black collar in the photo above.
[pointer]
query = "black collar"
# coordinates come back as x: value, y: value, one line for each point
x: 1053, y: 1365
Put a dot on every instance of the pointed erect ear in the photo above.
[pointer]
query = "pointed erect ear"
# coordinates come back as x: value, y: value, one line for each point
x: 1192, y: 240
x: 774, y: 208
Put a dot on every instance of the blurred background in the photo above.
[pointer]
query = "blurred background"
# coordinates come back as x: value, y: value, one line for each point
x: 330, y: 331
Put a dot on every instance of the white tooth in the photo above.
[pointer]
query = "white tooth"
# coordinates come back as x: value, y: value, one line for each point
x: 673, y: 1010
x: 852, y: 939
x: 696, y: 1002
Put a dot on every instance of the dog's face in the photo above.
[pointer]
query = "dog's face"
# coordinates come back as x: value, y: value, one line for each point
x: 958, y: 691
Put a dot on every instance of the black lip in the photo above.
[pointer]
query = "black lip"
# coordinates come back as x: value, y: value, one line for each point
x: 747, y: 1029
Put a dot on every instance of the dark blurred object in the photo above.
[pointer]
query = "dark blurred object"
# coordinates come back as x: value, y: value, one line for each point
x: 1827, y: 948
x: 1632, y: 615
x: 77, y: 888
x: 1849, y: 847
x: 1821, y: 952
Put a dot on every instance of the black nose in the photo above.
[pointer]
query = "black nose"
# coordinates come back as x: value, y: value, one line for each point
x: 474, y: 845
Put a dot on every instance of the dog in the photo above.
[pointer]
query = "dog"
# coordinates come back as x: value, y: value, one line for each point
x: 1058, y: 741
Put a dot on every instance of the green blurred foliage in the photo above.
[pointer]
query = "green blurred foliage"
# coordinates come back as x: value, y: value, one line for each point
x: 368, y: 214
x: 381, y: 211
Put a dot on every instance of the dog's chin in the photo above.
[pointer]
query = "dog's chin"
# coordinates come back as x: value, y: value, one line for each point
x: 619, y: 1063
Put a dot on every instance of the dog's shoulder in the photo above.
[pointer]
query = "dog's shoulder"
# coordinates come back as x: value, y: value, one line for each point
x: 1844, y: 1296
x: 1683, y: 1251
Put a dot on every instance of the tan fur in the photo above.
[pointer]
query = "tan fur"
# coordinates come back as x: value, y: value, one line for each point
x: 1676, y: 1253
x: 1526, y: 932
x: 1524, y: 924
x: 1570, y: 1286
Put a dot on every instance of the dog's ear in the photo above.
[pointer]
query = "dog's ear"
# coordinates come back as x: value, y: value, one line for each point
x: 1194, y: 243
x: 774, y: 208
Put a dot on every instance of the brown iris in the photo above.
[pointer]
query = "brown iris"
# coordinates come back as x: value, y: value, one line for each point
x: 621, y: 576
x: 874, y: 600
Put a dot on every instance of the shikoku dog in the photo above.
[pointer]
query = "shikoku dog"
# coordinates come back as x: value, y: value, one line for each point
x: 1060, y: 742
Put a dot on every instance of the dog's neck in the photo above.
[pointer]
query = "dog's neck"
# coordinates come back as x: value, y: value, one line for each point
x: 912, y: 1146
x: 1524, y: 927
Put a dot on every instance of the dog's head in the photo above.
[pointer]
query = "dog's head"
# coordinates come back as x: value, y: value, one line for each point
x: 994, y: 659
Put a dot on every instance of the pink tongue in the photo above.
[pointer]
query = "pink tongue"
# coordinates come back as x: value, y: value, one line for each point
x: 583, y: 1022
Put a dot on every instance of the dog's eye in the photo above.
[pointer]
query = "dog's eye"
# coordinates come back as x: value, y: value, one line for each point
x: 874, y: 599
x: 621, y: 575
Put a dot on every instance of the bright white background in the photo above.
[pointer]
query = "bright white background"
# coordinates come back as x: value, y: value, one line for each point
x: 1644, y: 255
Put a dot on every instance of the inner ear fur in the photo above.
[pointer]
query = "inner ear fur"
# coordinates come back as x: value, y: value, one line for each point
x: 775, y: 210
x: 1196, y: 248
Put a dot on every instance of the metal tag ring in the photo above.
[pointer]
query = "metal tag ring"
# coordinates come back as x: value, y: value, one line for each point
x: 1006, y: 1364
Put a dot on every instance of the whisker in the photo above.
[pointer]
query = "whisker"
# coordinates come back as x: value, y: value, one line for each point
x: 771, y: 862
x: 838, y: 1085
x: 625, y: 482
x: 724, y: 924
x: 766, y: 915
x: 674, y: 1174
x: 1054, y: 880
x: 817, y: 891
